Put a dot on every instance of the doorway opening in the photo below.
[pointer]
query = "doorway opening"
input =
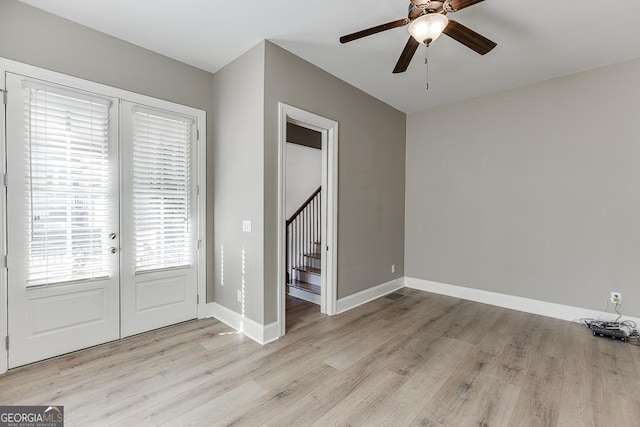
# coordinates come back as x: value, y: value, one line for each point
x: 307, y: 212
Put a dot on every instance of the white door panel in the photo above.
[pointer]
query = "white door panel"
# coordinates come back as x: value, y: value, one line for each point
x: 48, y: 309
x: 62, y: 207
x: 158, y: 300
x: 62, y: 319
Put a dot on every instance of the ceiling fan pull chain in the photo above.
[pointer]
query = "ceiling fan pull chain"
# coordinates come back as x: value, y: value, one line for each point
x: 426, y: 62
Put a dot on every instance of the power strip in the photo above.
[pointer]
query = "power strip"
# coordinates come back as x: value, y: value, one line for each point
x: 608, y: 329
x: 616, y: 334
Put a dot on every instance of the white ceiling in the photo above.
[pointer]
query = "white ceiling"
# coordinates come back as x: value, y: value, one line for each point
x: 537, y: 40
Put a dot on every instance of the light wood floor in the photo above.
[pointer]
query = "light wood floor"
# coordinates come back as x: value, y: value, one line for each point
x: 422, y: 360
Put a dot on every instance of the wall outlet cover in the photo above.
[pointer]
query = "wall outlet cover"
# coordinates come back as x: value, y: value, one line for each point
x: 616, y: 297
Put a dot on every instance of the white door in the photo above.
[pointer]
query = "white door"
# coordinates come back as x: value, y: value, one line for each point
x: 159, y: 219
x: 62, y: 219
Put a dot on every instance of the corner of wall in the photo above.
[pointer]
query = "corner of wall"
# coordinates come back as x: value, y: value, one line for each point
x: 238, y: 180
x: 262, y: 334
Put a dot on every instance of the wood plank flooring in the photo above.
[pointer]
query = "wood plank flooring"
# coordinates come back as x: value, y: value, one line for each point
x: 419, y: 360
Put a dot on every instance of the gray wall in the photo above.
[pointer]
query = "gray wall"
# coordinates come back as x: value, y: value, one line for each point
x: 39, y: 38
x: 533, y: 192
x: 238, y: 171
x: 304, y: 175
x: 371, y: 173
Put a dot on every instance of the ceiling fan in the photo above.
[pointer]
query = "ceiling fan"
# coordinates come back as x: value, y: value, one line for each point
x: 427, y: 20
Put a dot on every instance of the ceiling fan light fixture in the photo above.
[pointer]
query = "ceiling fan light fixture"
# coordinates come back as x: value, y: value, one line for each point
x: 427, y: 28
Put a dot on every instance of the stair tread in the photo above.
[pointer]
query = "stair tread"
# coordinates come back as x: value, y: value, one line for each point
x: 305, y: 286
x: 309, y: 269
x: 315, y: 255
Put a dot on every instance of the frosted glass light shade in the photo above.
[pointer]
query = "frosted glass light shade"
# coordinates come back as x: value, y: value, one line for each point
x: 428, y: 28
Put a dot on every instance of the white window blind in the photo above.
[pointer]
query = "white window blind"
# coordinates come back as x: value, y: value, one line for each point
x: 69, y: 180
x: 162, y: 190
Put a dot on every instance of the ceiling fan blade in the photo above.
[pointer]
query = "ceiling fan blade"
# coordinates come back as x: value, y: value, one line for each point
x: 469, y: 38
x: 407, y: 56
x: 461, y: 4
x: 374, y: 30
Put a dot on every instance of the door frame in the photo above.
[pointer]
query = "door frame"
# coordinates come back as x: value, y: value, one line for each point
x: 11, y: 66
x: 4, y: 307
x: 329, y: 130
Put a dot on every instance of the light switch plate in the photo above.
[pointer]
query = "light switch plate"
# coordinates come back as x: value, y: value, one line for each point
x: 246, y: 226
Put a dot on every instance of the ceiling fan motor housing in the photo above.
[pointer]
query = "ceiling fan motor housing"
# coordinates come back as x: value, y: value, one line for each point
x: 421, y: 7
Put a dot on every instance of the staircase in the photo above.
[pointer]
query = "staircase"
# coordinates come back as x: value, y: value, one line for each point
x: 304, y: 274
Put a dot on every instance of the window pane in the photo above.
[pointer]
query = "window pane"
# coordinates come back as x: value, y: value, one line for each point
x: 67, y: 155
x: 162, y: 190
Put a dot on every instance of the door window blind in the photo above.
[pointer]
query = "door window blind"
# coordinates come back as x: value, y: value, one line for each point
x: 69, y: 180
x: 162, y: 190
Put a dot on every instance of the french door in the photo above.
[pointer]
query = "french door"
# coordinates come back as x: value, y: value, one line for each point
x: 159, y: 254
x: 62, y: 216
x: 100, y: 219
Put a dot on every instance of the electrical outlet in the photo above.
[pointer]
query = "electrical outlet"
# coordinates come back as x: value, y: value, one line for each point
x: 616, y: 297
x: 393, y: 268
x: 246, y: 226
x: 239, y: 296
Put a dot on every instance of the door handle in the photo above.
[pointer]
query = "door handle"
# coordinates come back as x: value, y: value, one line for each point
x: 112, y: 236
x: 113, y: 250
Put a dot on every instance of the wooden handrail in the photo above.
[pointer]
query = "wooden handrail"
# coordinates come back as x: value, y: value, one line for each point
x: 304, y: 205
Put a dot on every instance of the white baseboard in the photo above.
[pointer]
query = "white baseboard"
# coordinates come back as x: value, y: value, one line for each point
x: 355, y: 300
x: 205, y: 311
x: 527, y: 305
x: 304, y: 295
x: 262, y: 334
x: 270, y: 333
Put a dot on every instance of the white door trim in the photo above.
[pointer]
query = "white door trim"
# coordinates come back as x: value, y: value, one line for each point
x: 202, y: 214
x: 329, y: 130
x: 4, y: 357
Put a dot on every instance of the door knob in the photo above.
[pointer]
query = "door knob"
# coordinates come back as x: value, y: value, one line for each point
x: 114, y: 250
x: 112, y: 236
